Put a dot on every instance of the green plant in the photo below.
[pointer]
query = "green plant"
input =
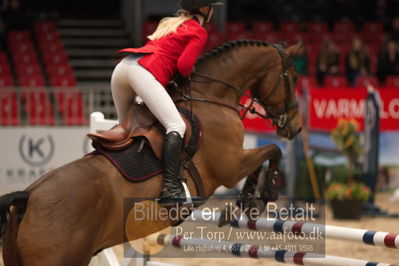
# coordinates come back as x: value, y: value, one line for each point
x: 346, y: 138
x: 353, y: 191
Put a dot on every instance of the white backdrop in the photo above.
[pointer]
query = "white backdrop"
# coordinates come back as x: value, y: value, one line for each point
x: 29, y: 152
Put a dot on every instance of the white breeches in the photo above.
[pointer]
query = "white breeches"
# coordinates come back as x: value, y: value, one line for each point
x: 129, y: 80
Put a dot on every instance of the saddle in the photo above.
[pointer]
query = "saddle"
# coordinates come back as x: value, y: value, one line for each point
x: 139, y: 122
x: 135, y: 147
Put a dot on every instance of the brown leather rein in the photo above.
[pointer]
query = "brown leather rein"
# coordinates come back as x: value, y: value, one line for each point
x: 280, y: 118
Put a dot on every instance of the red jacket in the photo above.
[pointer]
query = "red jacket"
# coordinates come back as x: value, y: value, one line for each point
x: 175, y: 52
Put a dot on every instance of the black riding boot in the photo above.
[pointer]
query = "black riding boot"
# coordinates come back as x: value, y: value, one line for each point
x: 172, y: 191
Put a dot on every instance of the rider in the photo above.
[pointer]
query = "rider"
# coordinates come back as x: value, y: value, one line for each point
x: 173, y: 47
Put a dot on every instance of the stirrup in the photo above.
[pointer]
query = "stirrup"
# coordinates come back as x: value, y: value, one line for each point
x: 171, y: 201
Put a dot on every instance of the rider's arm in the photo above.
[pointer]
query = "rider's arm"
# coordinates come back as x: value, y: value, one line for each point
x: 192, y: 51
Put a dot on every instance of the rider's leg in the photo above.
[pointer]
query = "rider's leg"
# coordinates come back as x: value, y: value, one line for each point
x: 122, y: 93
x: 162, y: 106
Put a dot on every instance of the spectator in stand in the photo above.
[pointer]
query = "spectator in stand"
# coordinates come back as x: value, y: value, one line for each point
x: 328, y: 60
x: 394, y: 32
x: 357, y: 61
x: 301, y: 61
x: 388, y: 61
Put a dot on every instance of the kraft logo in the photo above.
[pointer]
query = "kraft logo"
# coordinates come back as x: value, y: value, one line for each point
x: 36, y: 151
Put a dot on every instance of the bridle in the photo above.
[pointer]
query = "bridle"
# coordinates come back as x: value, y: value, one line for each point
x: 280, y: 118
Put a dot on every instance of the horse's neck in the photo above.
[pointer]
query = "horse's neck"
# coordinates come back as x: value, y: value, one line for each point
x: 240, y: 67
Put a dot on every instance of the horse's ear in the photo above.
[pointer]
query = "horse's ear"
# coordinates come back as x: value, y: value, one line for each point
x: 295, y: 50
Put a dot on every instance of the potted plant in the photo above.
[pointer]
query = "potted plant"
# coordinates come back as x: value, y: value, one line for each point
x: 347, y: 198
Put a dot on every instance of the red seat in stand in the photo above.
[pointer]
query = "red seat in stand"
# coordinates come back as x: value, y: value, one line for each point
x: 32, y: 81
x: 392, y: 81
x: 244, y: 35
x: 306, y: 82
x: 214, y: 40
x: 38, y: 107
x: 9, y: 108
x: 18, y: 36
x: 289, y: 27
x: 317, y: 27
x: 45, y: 26
x: 344, y: 27
x: 55, y: 58
x: 28, y: 69
x: 58, y: 69
x: 263, y: 27
x: 363, y: 81
x: 25, y: 58
x: 335, y: 81
x: 21, y: 47
x: 234, y: 27
x: 268, y: 37
x: 5, y: 68
x: 71, y: 106
x: 373, y: 27
x: 67, y: 80
x: 6, y: 80
x: 48, y: 37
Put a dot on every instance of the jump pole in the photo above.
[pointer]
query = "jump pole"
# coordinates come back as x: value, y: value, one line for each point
x: 368, y: 237
x: 256, y: 252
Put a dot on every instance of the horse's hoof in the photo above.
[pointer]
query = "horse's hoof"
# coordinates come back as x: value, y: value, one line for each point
x: 259, y: 205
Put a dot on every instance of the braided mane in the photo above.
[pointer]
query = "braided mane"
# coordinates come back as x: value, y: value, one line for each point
x: 229, y: 46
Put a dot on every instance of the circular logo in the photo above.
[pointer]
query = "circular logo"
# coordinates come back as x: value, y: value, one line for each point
x: 36, y: 151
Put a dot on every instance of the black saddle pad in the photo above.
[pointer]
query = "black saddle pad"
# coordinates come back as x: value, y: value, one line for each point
x: 139, y: 163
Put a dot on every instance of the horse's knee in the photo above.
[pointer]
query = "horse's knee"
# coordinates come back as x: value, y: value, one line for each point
x: 277, y: 153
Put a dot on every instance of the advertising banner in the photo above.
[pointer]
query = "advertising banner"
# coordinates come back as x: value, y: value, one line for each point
x: 326, y: 106
x: 30, y: 152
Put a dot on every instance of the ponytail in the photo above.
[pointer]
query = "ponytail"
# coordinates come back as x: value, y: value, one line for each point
x: 170, y: 25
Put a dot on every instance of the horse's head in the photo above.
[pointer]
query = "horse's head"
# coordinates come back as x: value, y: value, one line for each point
x: 276, y: 92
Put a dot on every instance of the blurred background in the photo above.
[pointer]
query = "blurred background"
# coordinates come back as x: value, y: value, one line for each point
x: 57, y: 56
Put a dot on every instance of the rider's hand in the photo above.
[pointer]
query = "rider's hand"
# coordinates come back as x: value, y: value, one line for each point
x: 181, y: 81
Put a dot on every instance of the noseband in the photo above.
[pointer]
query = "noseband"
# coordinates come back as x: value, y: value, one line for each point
x: 280, y: 118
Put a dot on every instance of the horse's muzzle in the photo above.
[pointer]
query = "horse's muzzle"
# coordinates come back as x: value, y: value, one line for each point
x: 289, y: 132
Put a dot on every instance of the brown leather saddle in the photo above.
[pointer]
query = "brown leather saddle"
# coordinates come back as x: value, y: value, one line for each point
x: 139, y: 122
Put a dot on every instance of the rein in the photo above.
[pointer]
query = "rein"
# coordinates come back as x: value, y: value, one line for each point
x: 279, y: 118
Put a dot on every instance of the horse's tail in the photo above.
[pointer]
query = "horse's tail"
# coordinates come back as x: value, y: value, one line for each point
x: 18, y: 199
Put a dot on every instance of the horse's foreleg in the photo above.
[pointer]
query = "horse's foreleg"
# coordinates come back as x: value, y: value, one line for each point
x: 251, y: 166
x: 253, y: 158
x: 252, y: 162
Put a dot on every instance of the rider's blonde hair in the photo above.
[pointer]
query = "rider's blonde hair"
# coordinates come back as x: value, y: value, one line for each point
x: 169, y: 25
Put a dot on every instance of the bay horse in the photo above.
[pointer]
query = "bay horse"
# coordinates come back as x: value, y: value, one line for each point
x: 72, y: 212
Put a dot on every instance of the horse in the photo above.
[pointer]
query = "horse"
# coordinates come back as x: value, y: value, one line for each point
x: 75, y: 211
